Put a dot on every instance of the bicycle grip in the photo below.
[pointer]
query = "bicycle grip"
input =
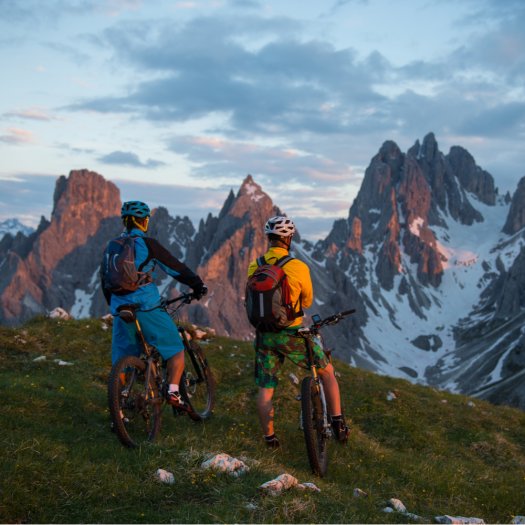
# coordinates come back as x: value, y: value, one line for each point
x: 348, y: 312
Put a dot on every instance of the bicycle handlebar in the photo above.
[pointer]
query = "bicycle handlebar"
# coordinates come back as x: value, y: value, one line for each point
x: 332, y: 319
x: 186, y: 298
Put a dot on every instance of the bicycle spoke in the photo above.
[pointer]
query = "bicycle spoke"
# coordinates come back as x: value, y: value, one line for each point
x: 198, y: 385
x: 135, y: 407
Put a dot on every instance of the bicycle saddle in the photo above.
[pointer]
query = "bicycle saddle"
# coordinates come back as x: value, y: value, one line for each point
x: 127, y: 312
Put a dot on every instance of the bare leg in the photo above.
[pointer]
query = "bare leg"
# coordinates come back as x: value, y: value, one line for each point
x: 331, y: 387
x: 265, y: 410
x: 175, y: 367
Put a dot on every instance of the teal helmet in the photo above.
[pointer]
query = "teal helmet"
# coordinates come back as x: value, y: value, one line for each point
x: 135, y: 209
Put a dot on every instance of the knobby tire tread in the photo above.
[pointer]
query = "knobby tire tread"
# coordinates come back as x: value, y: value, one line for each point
x: 316, y: 443
x: 114, y: 401
x: 200, y: 413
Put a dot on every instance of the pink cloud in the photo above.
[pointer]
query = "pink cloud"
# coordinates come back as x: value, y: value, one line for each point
x: 31, y: 114
x: 17, y: 136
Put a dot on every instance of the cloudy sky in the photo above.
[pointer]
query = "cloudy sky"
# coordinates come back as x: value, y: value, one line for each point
x: 177, y: 101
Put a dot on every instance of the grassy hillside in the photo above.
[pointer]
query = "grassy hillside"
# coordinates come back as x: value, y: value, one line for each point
x: 60, y: 463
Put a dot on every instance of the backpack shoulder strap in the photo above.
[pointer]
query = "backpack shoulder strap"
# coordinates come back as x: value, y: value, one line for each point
x: 283, y: 260
x: 260, y: 260
x: 147, y: 241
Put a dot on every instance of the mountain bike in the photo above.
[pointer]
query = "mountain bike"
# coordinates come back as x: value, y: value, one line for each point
x: 315, y: 420
x: 137, y: 386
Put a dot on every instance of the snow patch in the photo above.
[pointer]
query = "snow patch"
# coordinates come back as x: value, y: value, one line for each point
x: 254, y: 192
x: 416, y: 225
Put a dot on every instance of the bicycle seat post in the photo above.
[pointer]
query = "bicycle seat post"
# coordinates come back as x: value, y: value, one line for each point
x: 143, y: 342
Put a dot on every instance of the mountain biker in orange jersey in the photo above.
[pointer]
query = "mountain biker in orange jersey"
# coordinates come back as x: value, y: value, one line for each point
x: 271, y: 348
x: 158, y: 327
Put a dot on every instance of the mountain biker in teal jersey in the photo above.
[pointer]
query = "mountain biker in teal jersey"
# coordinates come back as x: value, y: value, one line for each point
x: 271, y: 348
x: 158, y: 327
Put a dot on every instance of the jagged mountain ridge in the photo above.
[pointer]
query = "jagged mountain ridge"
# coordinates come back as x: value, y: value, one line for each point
x: 423, y: 248
x: 423, y: 256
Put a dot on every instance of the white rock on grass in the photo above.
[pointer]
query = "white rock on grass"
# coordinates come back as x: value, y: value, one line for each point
x: 308, y: 486
x: 59, y: 362
x: 59, y: 313
x: 518, y: 519
x: 397, y: 504
x: 164, y: 476
x: 225, y: 463
x: 358, y: 493
x: 391, y: 396
x: 457, y: 520
x: 281, y: 483
x: 200, y: 334
x: 39, y: 359
x: 293, y: 378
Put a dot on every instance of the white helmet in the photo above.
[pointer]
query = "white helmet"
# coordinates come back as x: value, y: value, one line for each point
x: 282, y: 226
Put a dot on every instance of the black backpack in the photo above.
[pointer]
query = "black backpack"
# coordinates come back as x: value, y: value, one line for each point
x: 268, y: 304
x: 118, y: 271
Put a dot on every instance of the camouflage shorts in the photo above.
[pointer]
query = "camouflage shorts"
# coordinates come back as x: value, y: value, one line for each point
x: 272, y: 348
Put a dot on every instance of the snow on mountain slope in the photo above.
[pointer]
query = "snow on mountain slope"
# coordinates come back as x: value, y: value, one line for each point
x: 408, y: 343
x: 12, y: 227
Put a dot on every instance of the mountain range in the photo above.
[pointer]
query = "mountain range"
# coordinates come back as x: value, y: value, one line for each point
x: 430, y: 255
x: 12, y: 227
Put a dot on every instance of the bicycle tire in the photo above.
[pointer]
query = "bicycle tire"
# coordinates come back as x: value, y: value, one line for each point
x: 142, y: 416
x: 198, y: 383
x: 313, y: 418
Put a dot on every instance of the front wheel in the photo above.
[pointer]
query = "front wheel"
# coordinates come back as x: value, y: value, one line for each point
x: 198, y: 383
x: 314, y: 418
x: 134, y: 406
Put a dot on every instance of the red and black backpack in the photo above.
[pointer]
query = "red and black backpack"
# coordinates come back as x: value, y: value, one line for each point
x: 268, y: 303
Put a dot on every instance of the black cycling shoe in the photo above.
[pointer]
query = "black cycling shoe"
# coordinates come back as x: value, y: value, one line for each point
x: 180, y: 407
x: 340, y: 429
x: 272, y: 441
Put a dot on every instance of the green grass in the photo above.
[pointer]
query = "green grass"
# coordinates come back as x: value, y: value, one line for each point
x: 60, y: 463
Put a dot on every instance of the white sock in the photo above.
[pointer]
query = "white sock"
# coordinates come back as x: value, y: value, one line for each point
x: 173, y: 387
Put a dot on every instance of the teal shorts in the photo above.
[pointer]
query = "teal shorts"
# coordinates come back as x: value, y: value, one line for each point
x: 159, y: 331
x: 271, y: 349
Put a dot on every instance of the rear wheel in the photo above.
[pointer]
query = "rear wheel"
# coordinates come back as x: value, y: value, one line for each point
x: 134, y: 406
x: 198, y: 383
x: 313, y: 419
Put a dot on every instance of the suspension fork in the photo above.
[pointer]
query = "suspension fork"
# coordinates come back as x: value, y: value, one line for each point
x: 310, y: 357
x: 150, y: 365
x: 317, y: 380
x: 196, y: 365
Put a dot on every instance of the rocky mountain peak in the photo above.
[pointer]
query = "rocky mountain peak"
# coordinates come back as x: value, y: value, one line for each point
x: 429, y: 149
x: 250, y: 197
x: 88, y: 189
x: 471, y: 177
x: 516, y: 217
x: 82, y: 201
x: 226, y: 245
x: 391, y: 155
